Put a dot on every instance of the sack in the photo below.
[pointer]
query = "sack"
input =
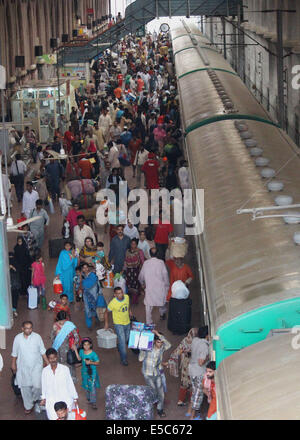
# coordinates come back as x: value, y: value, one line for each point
x: 109, y: 280
x: 32, y: 297
x: 86, y: 201
x: 72, y: 358
x: 119, y: 281
x: 179, y: 290
x: 123, y: 161
x: 15, y: 387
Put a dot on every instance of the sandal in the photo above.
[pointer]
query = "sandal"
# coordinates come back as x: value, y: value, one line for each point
x: 188, y: 414
x: 180, y: 403
x: 161, y: 413
x: 29, y: 411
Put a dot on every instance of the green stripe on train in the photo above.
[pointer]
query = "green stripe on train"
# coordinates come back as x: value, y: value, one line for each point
x: 186, y: 35
x: 194, y: 47
x: 252, y: 327
x: 217, y: 118
x: 207, y: 68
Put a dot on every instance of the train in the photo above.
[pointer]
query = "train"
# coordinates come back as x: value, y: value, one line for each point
x: 249, y: 265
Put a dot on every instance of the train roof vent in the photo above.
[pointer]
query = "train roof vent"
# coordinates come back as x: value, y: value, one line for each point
x: 283, y: 200
x: 275, y: 185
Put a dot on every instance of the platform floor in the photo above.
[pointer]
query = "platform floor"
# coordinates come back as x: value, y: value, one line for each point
x: 110, y: 369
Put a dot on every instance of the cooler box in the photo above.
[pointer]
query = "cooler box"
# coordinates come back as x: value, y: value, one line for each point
x: 106, y: 338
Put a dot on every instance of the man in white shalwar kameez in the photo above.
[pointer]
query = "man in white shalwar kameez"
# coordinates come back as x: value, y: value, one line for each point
x: 28, y: 353
x: 57, y: 385
x: 154, y: 276
x: 30, y: 196
x: 105, y: 123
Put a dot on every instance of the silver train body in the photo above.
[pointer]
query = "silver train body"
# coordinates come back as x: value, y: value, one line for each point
x: 249, y: 270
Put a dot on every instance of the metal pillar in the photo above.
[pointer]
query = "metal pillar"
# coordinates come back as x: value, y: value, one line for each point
x: 280, y: 91
x: 224, y: 37
x: 241, y: 47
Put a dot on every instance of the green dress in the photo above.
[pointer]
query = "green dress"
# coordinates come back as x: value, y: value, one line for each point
x: 89, y: 382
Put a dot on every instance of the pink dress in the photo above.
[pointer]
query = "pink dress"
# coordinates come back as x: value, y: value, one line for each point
x: 39, y: 278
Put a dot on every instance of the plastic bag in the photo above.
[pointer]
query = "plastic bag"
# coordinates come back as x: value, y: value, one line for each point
x: 179, y: 290
x: 119, y: 281
x: 51, y: 207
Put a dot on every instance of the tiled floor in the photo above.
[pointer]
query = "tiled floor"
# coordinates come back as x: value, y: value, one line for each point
x: 110, y: 370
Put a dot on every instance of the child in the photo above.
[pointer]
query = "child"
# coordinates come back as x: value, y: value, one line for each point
x: 62, y: 305
x: 98, y: 259
x: 89, y: 374
x: 38, y: 277
x: 100, y: 253
x: 77, y: 285
x: 144, y: 245
x: 29, y: 240
x: 64, y: 205
x: 40, y: 153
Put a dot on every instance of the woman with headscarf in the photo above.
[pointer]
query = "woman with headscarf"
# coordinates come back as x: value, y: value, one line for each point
x: 180, y: 359
x: 65, y: 269
x: 92, y: 295
x: 15, y: 283
x: 23, y: 262
x: 151, y: 171
x: 64, y: 335
x: 88, y: 252
x: 132, y: 267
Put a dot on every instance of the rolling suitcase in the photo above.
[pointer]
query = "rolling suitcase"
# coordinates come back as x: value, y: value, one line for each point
x: 55, y: 247
x: 32, y: 297
x: 180, y: 314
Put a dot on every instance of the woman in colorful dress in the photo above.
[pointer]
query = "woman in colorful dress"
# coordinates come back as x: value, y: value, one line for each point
x: 180, y: 359
x: 132, y: 267
x: 65, y: 269
x: 64, y: 335
x: 92, y: 294
x: 89, y: 373
x: 88, y: 252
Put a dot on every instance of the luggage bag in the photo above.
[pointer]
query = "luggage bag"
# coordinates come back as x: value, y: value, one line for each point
x: 180, y: 314
x: 56, y: 245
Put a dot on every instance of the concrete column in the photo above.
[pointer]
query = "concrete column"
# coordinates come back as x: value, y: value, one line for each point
x: 4, y: 41
x: 12, y: 40
x: 59, y: 10
x: 42, y: 24
x: 48, y: 32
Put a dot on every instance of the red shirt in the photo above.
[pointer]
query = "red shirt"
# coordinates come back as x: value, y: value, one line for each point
x: 162, y: 232
x: 68, y: 138
x: 133, y: 147
x: 177, y: 273
x: 92, y: 147
x: 140, y: 85
x: 86, y: 168
x: 120, y: 80
x: 150, y: 168
x: 118, y: 92
x: 213, y: 403
x: 160, y: 119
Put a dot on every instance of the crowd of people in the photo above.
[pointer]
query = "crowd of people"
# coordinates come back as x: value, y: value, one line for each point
x: 126, y: 123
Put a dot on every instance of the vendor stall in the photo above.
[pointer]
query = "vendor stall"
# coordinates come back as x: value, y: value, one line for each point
x: 38, y: 103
